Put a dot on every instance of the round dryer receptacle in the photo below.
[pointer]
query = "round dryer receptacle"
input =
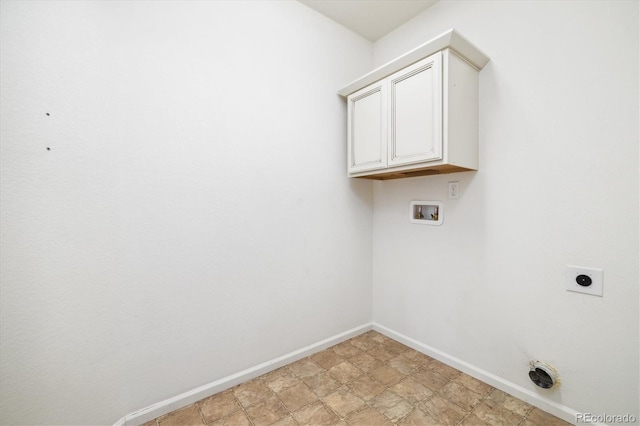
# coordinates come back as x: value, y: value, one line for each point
x: 542, y: 374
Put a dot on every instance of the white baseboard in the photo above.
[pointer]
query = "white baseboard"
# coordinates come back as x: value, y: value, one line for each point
x: 156, y: 410
x: 184, y: 399
x: 552, y: 407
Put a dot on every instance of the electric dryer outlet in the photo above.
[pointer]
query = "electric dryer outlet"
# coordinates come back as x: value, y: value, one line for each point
x: 584, y: 280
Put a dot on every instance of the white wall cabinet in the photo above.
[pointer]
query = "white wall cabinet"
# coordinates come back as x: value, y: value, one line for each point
x: 416, y: 115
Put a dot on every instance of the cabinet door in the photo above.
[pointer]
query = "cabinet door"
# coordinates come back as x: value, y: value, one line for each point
x: 415, y: 101
x: 367, y: 127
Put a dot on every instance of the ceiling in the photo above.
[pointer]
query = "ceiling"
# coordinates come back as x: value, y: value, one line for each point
x: 372, y: 19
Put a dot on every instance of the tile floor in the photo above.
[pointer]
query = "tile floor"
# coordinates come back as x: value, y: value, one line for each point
x: 369, y: 380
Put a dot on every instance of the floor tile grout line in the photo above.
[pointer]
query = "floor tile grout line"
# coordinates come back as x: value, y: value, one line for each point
x: 244, y: 409
x: 282, y: 402
x: 524, y: 418
x: 366, y: 404
x: 369, y: 403
x: 484, y: 398
x: 319, y: 397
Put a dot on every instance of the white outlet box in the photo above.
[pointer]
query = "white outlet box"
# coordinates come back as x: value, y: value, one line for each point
x: 454, y: 190
x: 590, y: 278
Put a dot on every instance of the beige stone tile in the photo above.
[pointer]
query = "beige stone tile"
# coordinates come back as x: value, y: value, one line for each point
x: 498, y: 396
x: 421, y: 359
x: 542, y: 418
x: 252, y: 392
x: 412, y: 354
x: 238, y: 418
x: 411, y: 390
x: 461, y: 396
x: 496, y: 414
x: 472, y: 420
x: 378, y: 337
x: 153, y: 422
x: 392, y: 405
x: 396, y: 347
x: 343, y: 401
x: 280, y: 379
x: 322, y: 384
x: 267, y: 411
x: 365, y: 362
x: 218, y: 406
x: 345, y: 372
x: 346, y: 349
x: 386, y: 375
x: 282, y: 371
x: 443, y: 369
x: 297, y: 396
x: 474, y: 384
x: 366, y: 388
x: 315, y: 414
x: 511, y: 403
x: 305, y: 368
x: 431, y: 379
x: 517, y: 406
x: 419, y: 418
x: 404, y: 364
x: 189, y: 415
x: 364, y: 342
x: 327, y: 358
x: 368, y: 417
x: 286, y: 421
x: 381, y: 353
x: 446, y: 412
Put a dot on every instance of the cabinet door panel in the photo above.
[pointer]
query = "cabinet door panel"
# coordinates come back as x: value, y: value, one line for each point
x: 415, y: 132
x: 367, y: 129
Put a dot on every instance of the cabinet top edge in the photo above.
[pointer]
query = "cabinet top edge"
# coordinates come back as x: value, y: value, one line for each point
x: 449, y: 39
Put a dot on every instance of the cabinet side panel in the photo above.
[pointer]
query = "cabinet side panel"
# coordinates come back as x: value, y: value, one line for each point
x: 461, y: 119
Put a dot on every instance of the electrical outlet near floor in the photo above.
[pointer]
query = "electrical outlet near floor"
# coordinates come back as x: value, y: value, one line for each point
x: 584, y: 280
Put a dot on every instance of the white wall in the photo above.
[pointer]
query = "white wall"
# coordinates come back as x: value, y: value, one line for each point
x: 192, y: 217
x: 557, y: 185
x: 175, y: 206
